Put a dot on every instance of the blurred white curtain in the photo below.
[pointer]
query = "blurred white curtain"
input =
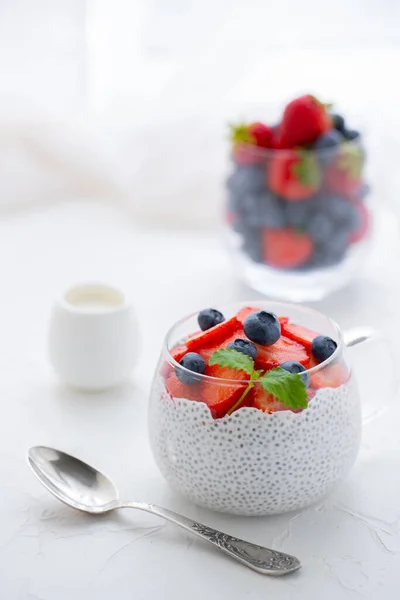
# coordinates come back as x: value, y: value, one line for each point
x: 128, y: 100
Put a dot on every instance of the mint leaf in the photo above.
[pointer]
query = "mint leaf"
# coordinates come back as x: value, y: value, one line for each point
x: 286, y: 387
x: 226, y: 357
x: 255, y: 375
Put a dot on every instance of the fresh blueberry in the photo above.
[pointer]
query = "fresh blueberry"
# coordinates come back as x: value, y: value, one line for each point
x: 262, y: 328
x: 338, y: 122
x: 350, y: 134
x: 252, y: 243
x: 332, y: 251
x: 209, y: 317
x: 233, y: 201
x: 298, y: 213
x: 341, y: 211
x: 194, y: 363
x: 261, y: 209
x: 245, y: 347
x: 320, y: 227
x: 295, y: 367
x: 323, y: 347
x: 327, y: 146
x: 247, y: 178
x: 329, y: 139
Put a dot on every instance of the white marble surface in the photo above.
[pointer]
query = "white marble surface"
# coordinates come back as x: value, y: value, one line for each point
x: 349, y: 544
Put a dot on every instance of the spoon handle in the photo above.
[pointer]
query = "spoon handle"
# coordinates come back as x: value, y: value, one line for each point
x: 260, y: 559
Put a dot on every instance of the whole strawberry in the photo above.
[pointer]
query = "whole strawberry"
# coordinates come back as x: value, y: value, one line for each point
x: 248, y: 140
x: 304, y: 120
x: 343, y: 176
x: 294, y: 174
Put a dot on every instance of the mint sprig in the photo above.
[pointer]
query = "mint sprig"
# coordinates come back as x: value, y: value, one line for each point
x: 286, y: 387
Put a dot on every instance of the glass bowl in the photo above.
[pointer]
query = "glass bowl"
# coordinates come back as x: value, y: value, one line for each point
x: 297, y: 222
x: 252, y: 461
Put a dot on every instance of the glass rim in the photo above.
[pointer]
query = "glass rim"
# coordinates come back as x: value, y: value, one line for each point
x: 282, y: 152
x: 222, y: 381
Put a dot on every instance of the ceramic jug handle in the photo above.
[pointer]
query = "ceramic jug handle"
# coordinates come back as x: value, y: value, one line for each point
x: 361, y: 335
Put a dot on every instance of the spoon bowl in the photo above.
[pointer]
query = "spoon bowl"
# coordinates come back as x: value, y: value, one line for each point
x: 83, y: 487
x: 73, y: 481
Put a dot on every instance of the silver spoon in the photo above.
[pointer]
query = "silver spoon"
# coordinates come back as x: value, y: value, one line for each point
x: 81, y: 486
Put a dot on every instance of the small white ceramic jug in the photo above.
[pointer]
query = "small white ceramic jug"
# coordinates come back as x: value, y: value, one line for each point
x: 93, y: 337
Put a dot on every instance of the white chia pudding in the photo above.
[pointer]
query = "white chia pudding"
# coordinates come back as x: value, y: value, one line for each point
x: 253, y: 462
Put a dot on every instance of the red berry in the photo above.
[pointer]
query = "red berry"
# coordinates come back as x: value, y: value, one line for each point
x: 343, y: 176
x: 294, y: 174
x: 331, y: 376
x: 217, y: 334
x: 286, y: 248
x: 262, y: 134
x: 265, y: 401
x: 269, y: 357
x: 177, y: 389
x: 304, y: 120
x: 299, y: 334
x: 221, y: 398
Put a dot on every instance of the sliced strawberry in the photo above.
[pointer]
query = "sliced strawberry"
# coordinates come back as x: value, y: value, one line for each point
x: 220, y: 398
x: 266, y: 402
x: 299, y: 334
x: 269, y: 357
x: 178, y: 352
x: 294, y: 175
x: 331, y: 376
x: 248, y: 310
x: 215, y: 335
x: 286, y: 248
x: 177, y: 389
x: 207, y: 351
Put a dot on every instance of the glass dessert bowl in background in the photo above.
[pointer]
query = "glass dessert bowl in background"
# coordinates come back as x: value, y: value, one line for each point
x: 296, y: 216
x: 268, y: 434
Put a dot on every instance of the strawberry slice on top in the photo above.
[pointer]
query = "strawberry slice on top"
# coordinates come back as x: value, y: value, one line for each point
x: 270, y: 357
x: 220, y: 397
x: 214, y: 335
x: 299, y: 334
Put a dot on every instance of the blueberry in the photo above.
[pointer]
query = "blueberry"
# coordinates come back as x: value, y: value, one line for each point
x: 350, y: 134
x: 298, y: 213
x: 295, y: 367
x: 209, y: 317
x: 329, y: 139
x: 323, y: 347
x: 341, y: 211
x: 244, y: 346
x: 252, y: 243
x: 338, y: 122
x: 320, y: 227
x: 247, y: 178
x: 233, y: 200
x: 195, y: 363
x: 261, y: 209
x: 262, y: 328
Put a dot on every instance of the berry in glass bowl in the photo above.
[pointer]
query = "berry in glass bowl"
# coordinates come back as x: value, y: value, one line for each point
x: 297, y: 221
x: 258, y: 413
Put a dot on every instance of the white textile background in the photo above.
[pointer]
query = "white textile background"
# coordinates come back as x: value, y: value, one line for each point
x: 128, y: 101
